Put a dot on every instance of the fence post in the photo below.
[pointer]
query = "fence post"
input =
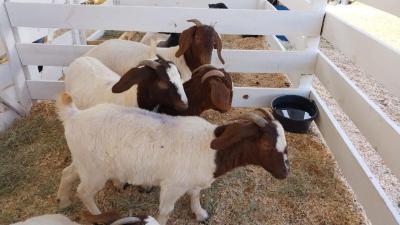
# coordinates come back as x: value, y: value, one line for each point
x: 9, y: 35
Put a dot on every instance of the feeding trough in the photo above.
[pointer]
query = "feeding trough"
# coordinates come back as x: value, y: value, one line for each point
x: 294, y: 112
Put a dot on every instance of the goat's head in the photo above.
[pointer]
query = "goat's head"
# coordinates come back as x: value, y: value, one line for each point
x: 209, y: 88
x: 115, y: 218
x: 254, y: 139
x: 159, y: 84
x: 197, y: 43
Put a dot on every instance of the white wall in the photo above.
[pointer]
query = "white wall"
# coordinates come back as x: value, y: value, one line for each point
x: 2, y: 48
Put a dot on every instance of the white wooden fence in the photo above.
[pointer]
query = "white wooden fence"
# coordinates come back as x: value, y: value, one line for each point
x: 302, y: 25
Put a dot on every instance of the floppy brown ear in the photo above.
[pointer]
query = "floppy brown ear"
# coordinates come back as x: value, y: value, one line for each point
x: 220, y: 95
x: 232, y: 134
x: 218, y: 46
x: 185, y: 40
x: 130, y: 78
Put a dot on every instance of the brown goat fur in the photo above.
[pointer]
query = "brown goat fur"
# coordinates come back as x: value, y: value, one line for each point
x: 245, y: 143
x: 154, y: 86
x: 197, y: 43
x: 213, y: 93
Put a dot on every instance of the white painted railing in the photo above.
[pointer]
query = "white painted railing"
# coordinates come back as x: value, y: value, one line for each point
x: 302, y: 24
x: 366, y: 51
x: 390, y: 6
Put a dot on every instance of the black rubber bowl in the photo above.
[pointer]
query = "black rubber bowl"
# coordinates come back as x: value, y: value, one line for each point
x: 294, y: 112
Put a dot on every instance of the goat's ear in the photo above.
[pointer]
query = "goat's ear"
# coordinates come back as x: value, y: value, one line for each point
x: 130, y: 78
x: 185, y: 40
x: 218, y: 46
x: 220, y: 95
x: 231, y: 134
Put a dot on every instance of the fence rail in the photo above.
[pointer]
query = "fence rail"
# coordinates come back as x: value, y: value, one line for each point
x: 369, y: 53
x: 168, y: 19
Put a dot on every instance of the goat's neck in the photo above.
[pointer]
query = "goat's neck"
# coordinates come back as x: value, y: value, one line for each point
x: 231, y: 158
x: 195, y: 97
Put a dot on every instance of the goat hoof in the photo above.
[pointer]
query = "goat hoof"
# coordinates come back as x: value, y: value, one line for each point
x: 145, y: 189
x: 63, y: 203
x: 202, y: 215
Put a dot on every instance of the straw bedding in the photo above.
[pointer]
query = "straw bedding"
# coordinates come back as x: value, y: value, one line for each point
x: 33, y: 153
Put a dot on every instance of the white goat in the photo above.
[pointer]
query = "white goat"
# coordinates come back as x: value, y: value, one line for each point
x: 58, y: 219
x: 121, y: 55
x: 51, y: 219
x: 140, y: 147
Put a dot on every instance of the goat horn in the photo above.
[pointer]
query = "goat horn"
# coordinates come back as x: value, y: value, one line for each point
x: 195, y: 21
x: 212, y: 73
x: 202, y: 67
x: 149, y: 63
x: 126, y: 220
x: 266, y: 113
x: 261, y: 122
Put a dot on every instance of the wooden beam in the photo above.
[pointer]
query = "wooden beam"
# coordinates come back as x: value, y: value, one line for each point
x: 23, y: 103
x: 369, y: 193
x: 250, y: 61
x: 389, y: 6
x: 168, y: 19
x: 375, y: 57
x: 373, y: 123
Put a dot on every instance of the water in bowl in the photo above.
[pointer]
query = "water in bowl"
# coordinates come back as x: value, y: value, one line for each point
x: 292, y: 113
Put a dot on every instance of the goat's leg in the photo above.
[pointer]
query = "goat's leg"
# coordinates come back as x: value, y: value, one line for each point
x: 87, y: 190
x: 168, y: 197
x: 195, y: 205
x: 68, y: 176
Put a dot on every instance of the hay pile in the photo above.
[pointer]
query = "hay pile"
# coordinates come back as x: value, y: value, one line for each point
x: 33, y: 153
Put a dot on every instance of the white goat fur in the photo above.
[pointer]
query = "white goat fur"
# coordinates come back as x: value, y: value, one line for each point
x: 138, y: 147
x: 122, y: 55
x: 153, y: 36
x: 51, y: 219
x: 58, y: 219
x: 89, y: 82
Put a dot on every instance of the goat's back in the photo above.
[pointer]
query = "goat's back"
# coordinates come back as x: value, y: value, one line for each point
x: 51, y: 219
x: 89, y: 82
x: 120, y: 55
x: 140, y: 147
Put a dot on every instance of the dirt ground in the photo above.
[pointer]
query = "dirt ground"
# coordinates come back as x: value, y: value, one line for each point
x: 33, y: 152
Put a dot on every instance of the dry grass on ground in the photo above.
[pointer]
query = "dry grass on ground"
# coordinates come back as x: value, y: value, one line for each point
x: 33, y: 153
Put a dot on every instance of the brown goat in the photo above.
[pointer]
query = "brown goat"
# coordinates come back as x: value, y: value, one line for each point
x: 209, y: 88
x: 197, y: 43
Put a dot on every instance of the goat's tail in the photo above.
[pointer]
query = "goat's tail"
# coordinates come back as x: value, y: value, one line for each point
x: 66, y: 107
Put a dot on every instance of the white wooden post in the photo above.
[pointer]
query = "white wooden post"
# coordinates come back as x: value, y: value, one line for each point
x: 24, y: 102
x: 312, y: 44
x: 78, y: 36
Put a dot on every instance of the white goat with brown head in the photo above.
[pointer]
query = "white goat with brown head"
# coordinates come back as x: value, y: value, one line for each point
x: 180, y: 154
